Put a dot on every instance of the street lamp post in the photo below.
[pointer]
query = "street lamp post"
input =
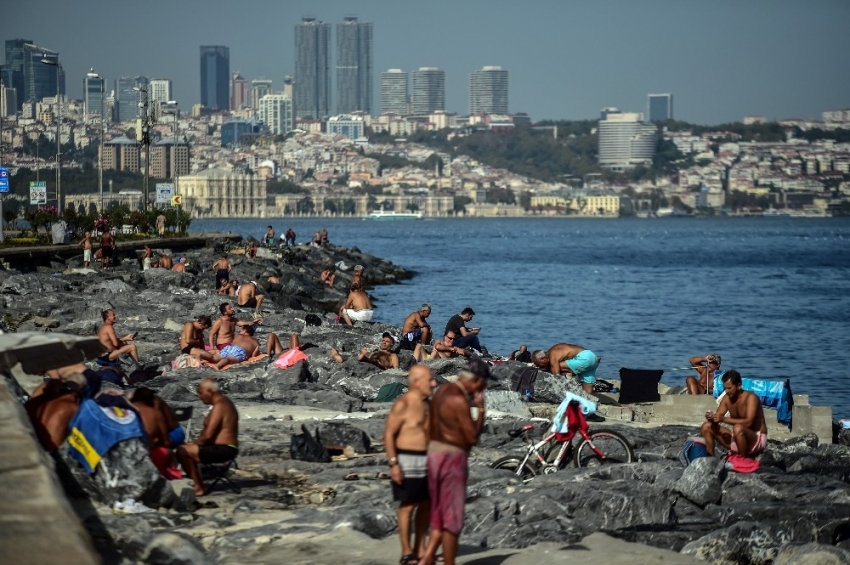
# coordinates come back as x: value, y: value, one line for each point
x: 172, y: 104
x: 92, y: 74
x: 55, y: 63
x: 143, y: 125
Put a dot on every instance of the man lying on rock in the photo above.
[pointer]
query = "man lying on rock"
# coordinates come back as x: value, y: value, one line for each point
x: 383, y: 357
x: 243, y: 347
x: 746, y: 416
x: 569, y: 359
x: 54, y: 402
x: 223, y: 330
x: 115, y: 347
x: 218, y: 442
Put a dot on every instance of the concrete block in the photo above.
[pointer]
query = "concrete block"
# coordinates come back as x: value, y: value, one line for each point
x: 813, y: 419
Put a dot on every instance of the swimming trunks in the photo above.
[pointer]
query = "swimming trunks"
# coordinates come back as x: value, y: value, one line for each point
x: 447, y: 475
x: 414, y: 487
x: 584, y: 366
x: 221, y: 346
x: 160, y: 457
x: 234, y: 351
x: 221, y: 275
x: 186, y: 350
x: 408, y: 340
x: 359, y: 315
x: 87, y: 255
x: 250, y: 303
x: 757, y: 447
x: 217, y: 453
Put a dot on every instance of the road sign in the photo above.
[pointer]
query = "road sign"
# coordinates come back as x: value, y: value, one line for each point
x: 164, y: 192
x: 4, y: 179
x: 176, y: 200
x: 38, y: 192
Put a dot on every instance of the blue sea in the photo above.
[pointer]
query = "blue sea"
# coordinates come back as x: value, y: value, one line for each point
x: 771, y: 295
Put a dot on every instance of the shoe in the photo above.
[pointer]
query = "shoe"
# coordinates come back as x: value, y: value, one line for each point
x: 130, y: 506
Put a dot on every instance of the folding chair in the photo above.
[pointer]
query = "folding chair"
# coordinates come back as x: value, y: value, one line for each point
x: 218, y: 473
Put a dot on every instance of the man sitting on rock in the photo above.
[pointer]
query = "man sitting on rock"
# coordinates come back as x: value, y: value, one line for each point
x: 416, y: 329
x: 243, y: 347
x: 115, y: 347
x: 466, y: 337
x: 192, y: 338
x: 383, y: 358
x: 708, y: 369
x: 180, y: 265
x: 218, y: 442
x: 156, y: 430
x: 223, y: 330
x: 328, y: 277
x: 166, y: 262
x: 445, y: 348
x: 357, y: 307
x: 275, y: 347
x: 566, y: 358
x: 247, y: 297
x: 746, y: 416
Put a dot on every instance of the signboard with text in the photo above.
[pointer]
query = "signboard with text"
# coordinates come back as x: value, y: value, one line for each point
x: 38, y: 192
x: 4, y: 179
x: 164, y: 192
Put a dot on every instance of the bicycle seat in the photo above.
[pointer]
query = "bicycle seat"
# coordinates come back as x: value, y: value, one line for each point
x: 519, y: 431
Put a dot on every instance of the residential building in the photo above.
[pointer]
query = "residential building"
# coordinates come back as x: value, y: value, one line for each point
x: 169, y: 159
x: 352, y: 127
x: 223, y: 193
x: 312, y: 69
x: 488, y: 91
x: 94, y: 91
x: 159, y: 90
x: 428, y: 91
x: 275, y: 111
x: 238, y: 92
x: 289, y: 88
x: 259, y: 88
x: 121, y: 154
x: 625, y: 141
x: 395, y: 98
x: 215, y: 77
x: 660, y: 107
x: 127, y: 98
x: 354, y: 75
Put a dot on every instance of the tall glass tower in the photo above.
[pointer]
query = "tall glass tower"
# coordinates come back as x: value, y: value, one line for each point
x: 94, y: 90
x: 660, y: 107
x: 394, y: 96
x: 312, y: 69
x: 14, y: 68
x: 354, y: 66
x: 215, y: 77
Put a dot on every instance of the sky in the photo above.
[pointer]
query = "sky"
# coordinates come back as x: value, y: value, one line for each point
x: 721, y: 59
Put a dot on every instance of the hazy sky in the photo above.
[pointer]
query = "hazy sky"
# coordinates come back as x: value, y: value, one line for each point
x: 721, y: 59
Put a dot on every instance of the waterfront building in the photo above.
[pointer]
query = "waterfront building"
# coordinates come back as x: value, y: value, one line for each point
x: 312, y: 69
x: 121, y: 154
x: 259, y: 88
x: 354, y: 66
x: 275, y: 111
x: 215, y: 77
x: 94, y: 91
x: 350, y: 126
x: 625, y: 141
x: 659, y: 107
x: 395, y: 98
x: 238, y: 92
x: 220, y: 193
x: 169, y: 159
x: 428, y: 91
x: 488, y: 91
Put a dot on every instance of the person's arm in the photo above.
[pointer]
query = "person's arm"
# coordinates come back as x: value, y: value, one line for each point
x: 394, y: 361
x: 554, y: 364
x: 464, y: 331
x: 420, y: 321
x: 717, y: 415
x: 211, y: 427
x: 214, y: 333
x: 337, y: 357
x: 468, y: 429
x: 241, y: 323
x: 185, y: 336
x: 393, y: 426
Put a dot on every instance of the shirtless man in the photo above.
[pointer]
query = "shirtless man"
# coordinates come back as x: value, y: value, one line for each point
x: 192, y: 338
x: 218, y: 442
x: 54, y: 407
x: 115, y: 347
x: 251, y: 252
x: 269, y: 239
x: 223, y: 330
x: 406, y: 444
x: 383, y: 358
x: 87, y: 247
x: 180, y: 266
x: 708, y: 369
x: 228, y: 288
x: 453, y: 431
x: 566, y: 358
x: 357, y: 277
x: 147, y: 257
x: 160, y: 225
x: 153, y: 420
x: 746, y: 416
x: 445, y: 348
x: 166, y: 262
x: 248, y: 297
x: 275, y: 347
x: 243, y: 347
x: 357, y: 307
x: 107, y: 249
x: 328, y: 276
x: 416, y: 329
x: 222, y: 268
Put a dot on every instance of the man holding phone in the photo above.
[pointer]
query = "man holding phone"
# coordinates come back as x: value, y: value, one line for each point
x: 116, y: 347
x: 464, y: 337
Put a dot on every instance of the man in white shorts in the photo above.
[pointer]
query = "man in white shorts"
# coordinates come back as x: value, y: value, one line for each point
x: 357, y: 306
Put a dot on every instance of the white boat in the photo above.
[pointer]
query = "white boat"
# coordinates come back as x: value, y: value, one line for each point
x: 389, y: 215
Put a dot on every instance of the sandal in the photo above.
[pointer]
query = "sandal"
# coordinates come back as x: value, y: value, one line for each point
x: 409, y: 559
x: 384, y: 476
x: 351, y: 477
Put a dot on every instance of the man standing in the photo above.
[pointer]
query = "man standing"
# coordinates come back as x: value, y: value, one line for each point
x: 222, y: 331
x: 222, y: 269
x: 708, y: 369
x: 269, y: 239
x: 746, y: 416
x: 107, y: 249
x: 406, y: 444
x: 86, y: 245
x: 290, y: 237
x: 160, y: 224
x: 192, y: 338
x: 416, y: 329
x: 453, y: 431
x: 466, y: 337
x: 357, y: 307
x: 564, y: 358
x: 247, y: 296
x: 115, y: 347
x: 218, y: 442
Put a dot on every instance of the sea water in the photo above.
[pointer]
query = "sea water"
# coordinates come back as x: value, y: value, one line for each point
x: 770, y: 295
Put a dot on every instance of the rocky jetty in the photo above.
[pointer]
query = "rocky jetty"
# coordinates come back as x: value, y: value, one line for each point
x: 795, y: 509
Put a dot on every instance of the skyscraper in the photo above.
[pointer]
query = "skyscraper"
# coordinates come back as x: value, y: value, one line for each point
x: 94, y: 92
x: 394, y: 93
x: 127, y: 99
x: 354, y: 66
x: 259, y: 88
x: 14, y: 68
x: 238, y: 92
x: 312, y: 69
x: 275, y: 112
x: 625, y: 141
x: 159, y: 90
x: 428, y: 91
x: 215, y: 77
x: 39, y: 78
x: 488, y: 91
x: 660, y: 107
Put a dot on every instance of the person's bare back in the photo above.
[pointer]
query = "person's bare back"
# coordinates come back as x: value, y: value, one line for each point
x: 154, y: 423
x: 358, y: 300
x: 221, y: 426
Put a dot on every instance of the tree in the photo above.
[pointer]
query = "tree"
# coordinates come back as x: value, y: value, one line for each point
x: 413, y: 207
x: 305, y: 206
x: 348, y: 206
x: 461, y: 202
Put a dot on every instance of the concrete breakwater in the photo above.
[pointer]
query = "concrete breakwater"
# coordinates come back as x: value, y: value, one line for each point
x: 301, y: 512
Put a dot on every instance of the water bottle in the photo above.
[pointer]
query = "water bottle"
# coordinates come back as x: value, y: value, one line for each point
x: 526, y: 395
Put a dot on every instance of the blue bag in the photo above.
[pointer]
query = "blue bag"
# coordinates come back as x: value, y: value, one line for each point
x: 694, y: 448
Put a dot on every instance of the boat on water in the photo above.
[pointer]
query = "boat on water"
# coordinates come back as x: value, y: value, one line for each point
x: 389, y: 215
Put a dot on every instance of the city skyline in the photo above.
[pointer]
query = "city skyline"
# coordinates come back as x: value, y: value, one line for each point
x: 567, y: 60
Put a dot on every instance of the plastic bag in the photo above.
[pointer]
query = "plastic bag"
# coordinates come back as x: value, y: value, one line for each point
x: 304, y: 447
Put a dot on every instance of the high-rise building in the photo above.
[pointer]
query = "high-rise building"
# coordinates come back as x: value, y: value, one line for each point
x: 625, y: 141
x: 16, y: 53
x: 215, y: 77
x: 312, y: 69
x: 488, y: 91
x: 354, y: 66
x: 238, y: 92
x: 394, y: 94
x: 169, y: 159
x: 428, y: 91
x: 8, y: 101
x: 660, y: 107
x: 127, y: 98
x: 40, y: 78
x: 159, y: 90
x: 94, y: 93
x: 259, y: 88
x: 275, y: 111
x: 605, y: 112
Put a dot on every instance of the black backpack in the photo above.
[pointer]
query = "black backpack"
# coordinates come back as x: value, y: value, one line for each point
x: 304, y: 447
x: 522, y: 380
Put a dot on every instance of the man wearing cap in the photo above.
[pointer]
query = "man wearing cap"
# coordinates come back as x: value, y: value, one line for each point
x: 707, y: 367
x: 416, y: 329
x: 454, y: 425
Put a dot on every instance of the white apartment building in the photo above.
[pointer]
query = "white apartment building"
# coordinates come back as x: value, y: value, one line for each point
x: 275, y: 111
x: 352, y: 127
x: 428, y: 91
x: 395, y: 98
x: 488, y: 91
x: 159, y: 90
x: 625, y: 141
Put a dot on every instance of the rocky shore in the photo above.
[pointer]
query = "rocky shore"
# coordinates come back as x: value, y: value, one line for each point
x: 795, y: 509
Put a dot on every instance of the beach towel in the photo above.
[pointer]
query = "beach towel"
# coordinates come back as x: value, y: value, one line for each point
x: 390, y: 392
x: 772, y: 393
x: 289, y: 358
x: 245, y: 362
x: 185, y: 360
x: 96, y: 429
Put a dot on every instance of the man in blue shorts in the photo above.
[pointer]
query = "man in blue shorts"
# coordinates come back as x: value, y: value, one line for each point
x: 566, y: 358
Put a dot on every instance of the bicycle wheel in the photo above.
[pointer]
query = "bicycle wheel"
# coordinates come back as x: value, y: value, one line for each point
x: 614, y: 448
x: 512, y: 463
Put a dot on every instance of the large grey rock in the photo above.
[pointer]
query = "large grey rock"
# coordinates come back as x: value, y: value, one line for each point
x: 506, y: 401
x: 174, y: 549
x: 553, y: 388
x: 280, y: 381
x: 22, y: 285
x: 743, y: 543
x: 701, y: 483
x: 343, y: 434
x: 163, y: 279
x: 82, y: 327
x: 812, y: 554
x: 112, y: 285
x: 318, y: 396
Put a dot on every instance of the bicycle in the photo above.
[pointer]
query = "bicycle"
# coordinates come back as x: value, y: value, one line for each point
x: 599, y: 447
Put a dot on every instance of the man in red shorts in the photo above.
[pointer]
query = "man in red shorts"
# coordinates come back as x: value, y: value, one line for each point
x: 455, y: 423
